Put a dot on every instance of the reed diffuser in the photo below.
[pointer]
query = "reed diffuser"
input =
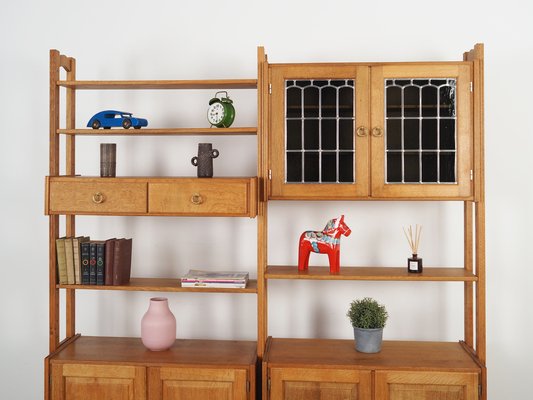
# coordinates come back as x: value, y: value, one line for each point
x: 414, y: 264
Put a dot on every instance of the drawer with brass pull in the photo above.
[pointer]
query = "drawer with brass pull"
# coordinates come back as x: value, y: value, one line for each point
x: 209, y: 196
x: 116, y: 196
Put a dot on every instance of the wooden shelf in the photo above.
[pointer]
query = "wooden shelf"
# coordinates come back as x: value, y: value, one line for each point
x: 162, y: 84
x: 397, y: 355
x: 162, y: 132
x: 121, y: 350
x: 371, y: 274
x: 163, y: 285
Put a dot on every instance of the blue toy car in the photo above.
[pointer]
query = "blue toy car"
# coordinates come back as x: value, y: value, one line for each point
x: 111, y: 118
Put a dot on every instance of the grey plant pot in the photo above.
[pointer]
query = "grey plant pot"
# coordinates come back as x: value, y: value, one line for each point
x: 368, y: 340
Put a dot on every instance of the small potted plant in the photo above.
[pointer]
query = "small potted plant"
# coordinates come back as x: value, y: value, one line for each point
x: 368, y: 319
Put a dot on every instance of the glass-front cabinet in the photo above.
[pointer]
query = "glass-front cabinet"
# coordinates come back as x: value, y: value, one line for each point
x: 315, y: 112
x: 356, y: 131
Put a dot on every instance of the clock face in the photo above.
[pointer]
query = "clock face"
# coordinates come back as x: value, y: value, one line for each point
x: 216, y: 113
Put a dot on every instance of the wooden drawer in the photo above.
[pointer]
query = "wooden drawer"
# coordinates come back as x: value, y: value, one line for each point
x: 96, y: 196
x: 210, y: 196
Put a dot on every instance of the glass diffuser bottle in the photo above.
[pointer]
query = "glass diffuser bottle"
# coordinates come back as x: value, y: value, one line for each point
x: 414, y: 264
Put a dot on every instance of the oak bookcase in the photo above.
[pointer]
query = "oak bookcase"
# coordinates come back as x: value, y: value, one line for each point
x: 401, y: 131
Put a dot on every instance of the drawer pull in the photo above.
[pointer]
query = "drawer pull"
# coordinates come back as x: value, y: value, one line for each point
x: 98, y: 198
x: 197, y: 199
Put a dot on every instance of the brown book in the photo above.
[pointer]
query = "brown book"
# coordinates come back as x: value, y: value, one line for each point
x: 109, y: 260
x: 122, y: 262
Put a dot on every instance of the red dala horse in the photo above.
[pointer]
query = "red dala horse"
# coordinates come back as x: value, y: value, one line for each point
x: 326, y: 242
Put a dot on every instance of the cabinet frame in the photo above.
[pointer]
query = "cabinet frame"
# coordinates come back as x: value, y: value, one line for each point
x: 369, y: 102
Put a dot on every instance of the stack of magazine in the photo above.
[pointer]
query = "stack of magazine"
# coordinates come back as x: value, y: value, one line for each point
x: 210, y: 279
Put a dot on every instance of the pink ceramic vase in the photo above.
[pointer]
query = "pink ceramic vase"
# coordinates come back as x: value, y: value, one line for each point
x: 158, y: 325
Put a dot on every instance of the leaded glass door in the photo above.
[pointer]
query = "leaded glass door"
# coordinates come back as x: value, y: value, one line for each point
x: 421, y: 131
x: 319, y: 132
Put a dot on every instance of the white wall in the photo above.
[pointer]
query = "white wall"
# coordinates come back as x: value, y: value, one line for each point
x: 212, y: 39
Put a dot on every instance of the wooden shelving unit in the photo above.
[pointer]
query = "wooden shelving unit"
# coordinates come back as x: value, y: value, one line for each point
x: 291, y: 368
x: 301, y: 94
x: 102, y: 367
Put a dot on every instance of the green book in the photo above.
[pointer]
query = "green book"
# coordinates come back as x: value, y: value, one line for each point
x: 76, y: 247
x: 100, y: 263
x: 85, y: 261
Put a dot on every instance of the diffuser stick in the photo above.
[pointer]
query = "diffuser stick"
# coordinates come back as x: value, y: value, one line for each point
x: 413, y: 239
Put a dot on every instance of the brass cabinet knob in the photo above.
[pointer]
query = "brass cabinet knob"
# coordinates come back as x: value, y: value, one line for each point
x: 377, y: 132
x: 362, y: 131
x: 98, y: 198
x: 197, y: 199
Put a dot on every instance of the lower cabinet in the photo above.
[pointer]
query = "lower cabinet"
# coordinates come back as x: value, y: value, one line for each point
x: 330, y: 369
x: 115, y: 368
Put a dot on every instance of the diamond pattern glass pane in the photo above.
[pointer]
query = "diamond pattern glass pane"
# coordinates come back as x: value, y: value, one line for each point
x: 420, y: 131
x: 319, y: 131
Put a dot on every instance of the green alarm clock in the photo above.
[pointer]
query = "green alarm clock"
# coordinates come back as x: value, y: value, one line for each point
x: 221, y: 112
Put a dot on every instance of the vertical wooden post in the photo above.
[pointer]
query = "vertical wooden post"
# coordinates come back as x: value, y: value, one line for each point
x: 479, y: 179
x: 469, y: 266
x: 262, y: 96
x: 70, y: 298
x: 53, y: 219
x: 476, y: 56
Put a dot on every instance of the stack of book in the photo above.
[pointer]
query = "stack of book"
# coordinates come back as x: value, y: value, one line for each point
x: 81, y: 261
x: 208, y: 279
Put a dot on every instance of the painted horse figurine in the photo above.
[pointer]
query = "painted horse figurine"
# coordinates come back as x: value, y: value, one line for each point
x: 328, y: 241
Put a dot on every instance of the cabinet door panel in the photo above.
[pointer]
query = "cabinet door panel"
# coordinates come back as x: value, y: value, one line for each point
x: 319, y: 384
x: 96, y: 382
x: 392, y: 385
x: 197, y: 383
x: 316, y: 112
x: 421, y: 131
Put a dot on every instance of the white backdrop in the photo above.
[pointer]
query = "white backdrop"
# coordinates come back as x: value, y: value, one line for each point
x: 212, y: 39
